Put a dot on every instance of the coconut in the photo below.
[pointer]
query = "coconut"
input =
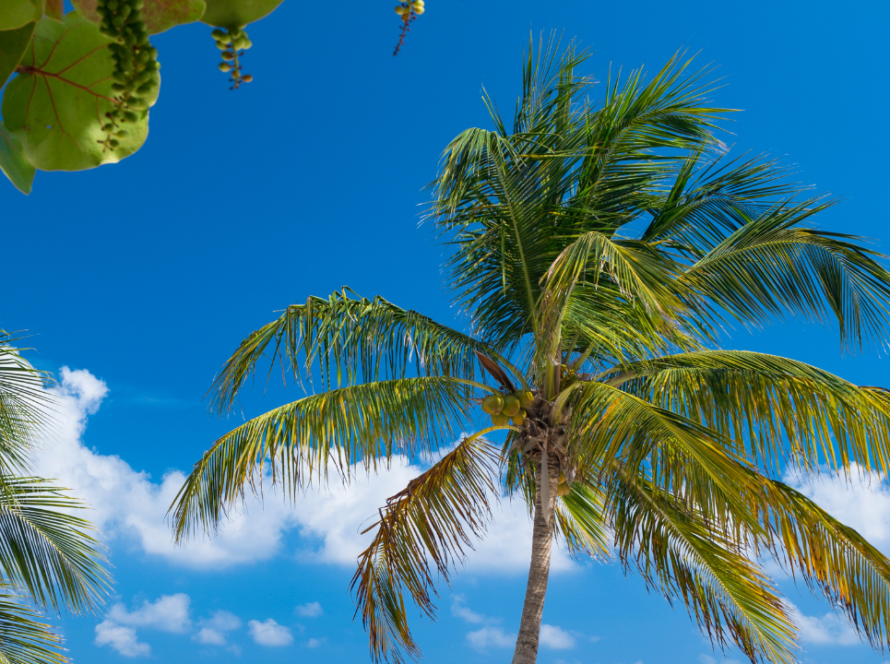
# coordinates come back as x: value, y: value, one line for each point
x: 519, y: 418
x: 563, y: 489
x: 511, y: 405
x: 500, y: 420
x: 525, y: 397
x: 493, y: 404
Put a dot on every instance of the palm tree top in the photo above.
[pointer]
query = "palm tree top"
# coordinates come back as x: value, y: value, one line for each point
x: 598, y: 248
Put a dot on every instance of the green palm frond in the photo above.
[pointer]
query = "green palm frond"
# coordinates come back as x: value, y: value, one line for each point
x: 424, y: 529
x: 362, y: 424
x: 785, y: 412
x: 24, y: 637
x: 48, y: 551
x: 680, y: 550
x: 349, y: 339
x: 24, y: 405
x: 832, y: 558
x: 583, y: 521
x: 771, y: 266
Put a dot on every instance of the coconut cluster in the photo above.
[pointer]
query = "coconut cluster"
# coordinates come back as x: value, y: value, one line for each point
x: 404, y: 9
x: 506, y: 407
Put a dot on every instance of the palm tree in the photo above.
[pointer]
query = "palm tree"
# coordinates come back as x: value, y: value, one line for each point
x: 48, y: 558
x: 598, y: 249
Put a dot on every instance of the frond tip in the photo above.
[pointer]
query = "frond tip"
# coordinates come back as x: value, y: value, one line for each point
x: 427, y: 525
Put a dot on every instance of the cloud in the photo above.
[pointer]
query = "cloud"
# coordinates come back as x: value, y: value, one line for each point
x: 270, y: 633
x: 130, y: 505
x: 213, y: 629
x: 169, y: 613
x: 493, y: 637
x: 465, y: 613
x: 830, y: 629
x: 310, y: 610
x: 315, y: 643
x: 556, y: 638
x: 122, y: 639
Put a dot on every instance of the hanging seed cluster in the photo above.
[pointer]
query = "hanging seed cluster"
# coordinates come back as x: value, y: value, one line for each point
x: 505, y: 408
x: 233, y: 43
x: 406, y: 9
x: 135, y: 64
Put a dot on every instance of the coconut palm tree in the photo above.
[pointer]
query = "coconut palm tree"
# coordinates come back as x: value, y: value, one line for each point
x: 49, y: 559
x: 598, y: 249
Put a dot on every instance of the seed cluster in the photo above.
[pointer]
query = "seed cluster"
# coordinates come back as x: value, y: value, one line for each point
x: 405, y: 9
x: 233, y: 43
x: 135, y: 64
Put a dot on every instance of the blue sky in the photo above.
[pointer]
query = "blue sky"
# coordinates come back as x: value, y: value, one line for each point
x: 142, y: 277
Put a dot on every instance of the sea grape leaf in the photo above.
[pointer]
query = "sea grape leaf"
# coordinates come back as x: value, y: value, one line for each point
x: 237, y: 13
x: 57, y: 103
x: 13, y: 162
x: 15, y: 13
x: 12, y: 47
x: 159, y: 15
x: 55, y: 9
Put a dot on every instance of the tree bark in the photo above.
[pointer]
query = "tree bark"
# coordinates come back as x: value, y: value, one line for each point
x: 539, y: 571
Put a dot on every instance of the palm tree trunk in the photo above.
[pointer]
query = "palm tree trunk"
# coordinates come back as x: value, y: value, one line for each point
x: 539, y: 571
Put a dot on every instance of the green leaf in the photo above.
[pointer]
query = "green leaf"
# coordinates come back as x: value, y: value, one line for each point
x: 13, y: 162
x: 237, y: 13
x: 55, y: 9
x: 159, y: 15
x: 57, y: 103
x: 16, y: 13
x: 12, y: 47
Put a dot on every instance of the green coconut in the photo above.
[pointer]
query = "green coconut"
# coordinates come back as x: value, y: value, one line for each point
x: 500, y: 420
x: 493, y: 404
x: 511, y: 405
x: 525, y: 397
x: 519, y: 418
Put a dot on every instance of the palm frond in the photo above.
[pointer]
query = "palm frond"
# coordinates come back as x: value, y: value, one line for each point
x: 780, y: 411
x: 771, y: 266
x: 349, y: 339
x: 47, y: 550
x: 24, y: 637
x: 424, y: 529
x: 24, y: 405
x: 361, y: 424
x: 679, y: 549
x: 582, y: 518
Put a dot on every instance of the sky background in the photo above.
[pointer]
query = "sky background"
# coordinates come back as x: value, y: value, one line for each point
x: 137, y: 280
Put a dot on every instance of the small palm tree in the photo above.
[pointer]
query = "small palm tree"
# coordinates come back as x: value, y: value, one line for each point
x: 48, y: 557
x: 597, y: 248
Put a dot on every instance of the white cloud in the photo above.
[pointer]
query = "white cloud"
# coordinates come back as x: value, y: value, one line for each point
x: 830, y: 629
x: 310, y: 610
x: 210, y: 636
x: 122, y: 639
x: 556, y: 638
x: 169, y: 613
x: 465, y: 613
x: 270, y: 633
x: 213, y: 629
x: 315, y: 643
x: 493, y: 637
x: 130, y: 505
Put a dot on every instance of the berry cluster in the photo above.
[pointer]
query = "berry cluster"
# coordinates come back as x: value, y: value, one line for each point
x: 405, y: 9
x: 233, y: 43
x: 135, y: 65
